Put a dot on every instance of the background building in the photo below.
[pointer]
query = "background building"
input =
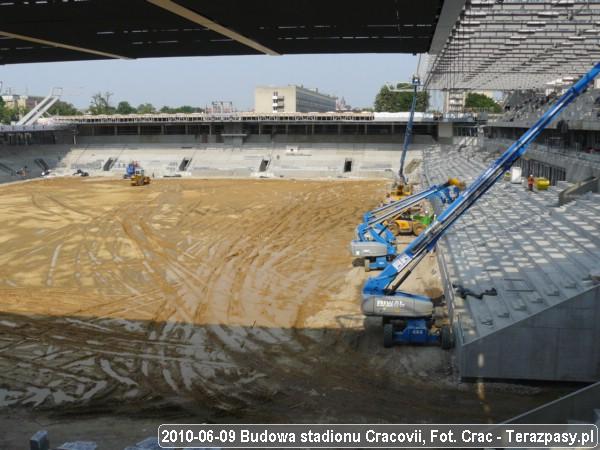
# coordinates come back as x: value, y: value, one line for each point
x: 341, y: 105
x: 269, y: 99
x: 454, y: 99
x: 21, y: 101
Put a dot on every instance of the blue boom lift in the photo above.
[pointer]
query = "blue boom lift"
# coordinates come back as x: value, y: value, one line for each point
x: 407, y: 317
x: 416, y: 82
x: 130, y: 170
x: 401, y: 187
x: 374, y: 242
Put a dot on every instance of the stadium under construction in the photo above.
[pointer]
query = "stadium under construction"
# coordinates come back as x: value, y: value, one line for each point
x: 214, y: 282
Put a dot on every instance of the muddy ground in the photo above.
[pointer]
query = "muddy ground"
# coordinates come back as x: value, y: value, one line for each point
x: 206, y: 300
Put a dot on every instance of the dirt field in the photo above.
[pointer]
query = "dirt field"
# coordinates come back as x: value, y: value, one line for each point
x: 210, y: 300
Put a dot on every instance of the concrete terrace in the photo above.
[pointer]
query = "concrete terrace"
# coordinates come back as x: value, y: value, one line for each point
x: 539, y: 258
x: 324, y: 160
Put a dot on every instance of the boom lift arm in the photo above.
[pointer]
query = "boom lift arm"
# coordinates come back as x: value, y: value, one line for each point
x: 386, y: 212
x: 381, y: 295
x: 416, y: 82
x: 375, y: 242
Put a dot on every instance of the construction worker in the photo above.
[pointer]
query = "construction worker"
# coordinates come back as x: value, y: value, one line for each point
x: 530, y: 181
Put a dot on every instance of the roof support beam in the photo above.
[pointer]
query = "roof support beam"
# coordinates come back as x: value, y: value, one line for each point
x: 193, y: 16
x: 22, y: 37
x: 448, y: 17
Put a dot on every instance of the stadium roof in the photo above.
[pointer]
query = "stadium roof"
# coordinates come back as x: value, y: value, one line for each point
x: 516, y: 44
x: 67, y: 30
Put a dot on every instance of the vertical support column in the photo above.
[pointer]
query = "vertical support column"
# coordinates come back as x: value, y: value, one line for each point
x: 445, y: 133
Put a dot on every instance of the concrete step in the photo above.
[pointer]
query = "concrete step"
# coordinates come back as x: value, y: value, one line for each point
x: 78, y: 445
x: 535, y: 256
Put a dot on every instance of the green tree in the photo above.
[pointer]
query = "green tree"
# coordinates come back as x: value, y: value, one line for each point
x: 389, y: 100
x: 9, y: 114
x: 63, y: 109
x: 100, y: 104
x: 186, y: 109
x: 146, y: 108
x: 2, y: 110
x: 482, y: 102
x: 125, y: 108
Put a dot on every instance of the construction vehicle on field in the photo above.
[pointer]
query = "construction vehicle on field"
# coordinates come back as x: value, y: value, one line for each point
x: 375, y: 242
x: 23, y: 171
x: 130, y: 170
x: 139, y: 178
x: 81, y: 173
x: 414, y: 222
x: 416, y: 219
x: 400, y: 190
x: 408, y: 317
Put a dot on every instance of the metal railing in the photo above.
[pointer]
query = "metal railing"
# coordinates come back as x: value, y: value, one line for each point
x: 363, y: 117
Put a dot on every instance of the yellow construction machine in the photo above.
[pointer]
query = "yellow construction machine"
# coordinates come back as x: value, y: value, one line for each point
x: 416, y: 218
x: 400, y: 190
x: 139, y: 179
x: 414, y: 221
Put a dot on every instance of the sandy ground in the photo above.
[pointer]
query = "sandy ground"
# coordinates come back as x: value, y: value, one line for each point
x: 205, y: 300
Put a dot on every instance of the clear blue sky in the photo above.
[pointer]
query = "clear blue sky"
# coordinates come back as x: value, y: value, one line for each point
x: 198, y: 81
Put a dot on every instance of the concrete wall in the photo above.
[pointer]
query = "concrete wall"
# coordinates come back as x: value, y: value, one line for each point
x: 578, y: 166
x: 254, y: 139
x: 324, y: 160
x: 17, y: 157
x: 579, y: 405
x: 263, y: 98
x: 576, y: 169
x: 445, y: 133
x: 145, y: 139
x: 559, y: 343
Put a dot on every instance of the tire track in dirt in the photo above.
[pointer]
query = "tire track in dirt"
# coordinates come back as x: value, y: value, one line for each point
x: 198, y: 289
